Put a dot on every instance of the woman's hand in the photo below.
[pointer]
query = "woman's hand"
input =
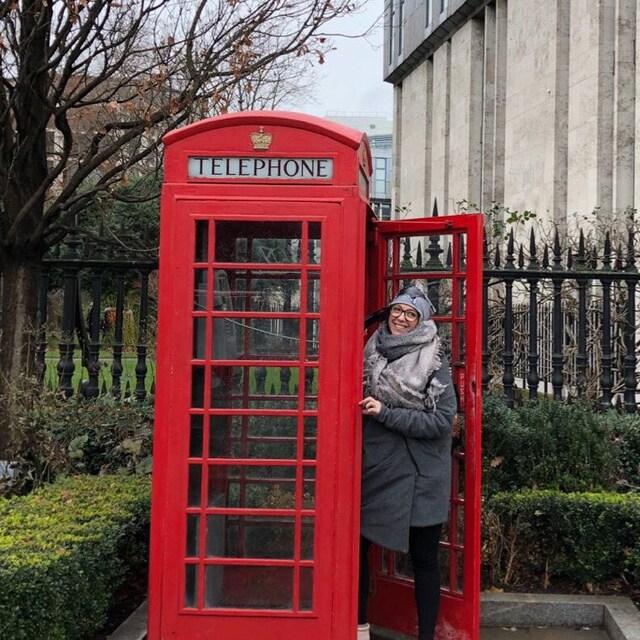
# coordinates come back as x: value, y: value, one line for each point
x: 371, y: 406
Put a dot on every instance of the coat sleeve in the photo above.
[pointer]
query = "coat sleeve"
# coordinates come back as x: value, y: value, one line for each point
x: 427, y: 423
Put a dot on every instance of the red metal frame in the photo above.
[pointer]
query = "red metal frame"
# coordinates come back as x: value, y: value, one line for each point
x: 207, y: 502
x: 392, y: 604
x: 321, y: 582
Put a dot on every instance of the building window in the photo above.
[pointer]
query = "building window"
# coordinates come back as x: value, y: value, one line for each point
x: 380, y: 178
x: 428, y: 12
x: 443, y: 6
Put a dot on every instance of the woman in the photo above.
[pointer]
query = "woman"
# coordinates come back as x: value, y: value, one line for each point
x: 409, y: 407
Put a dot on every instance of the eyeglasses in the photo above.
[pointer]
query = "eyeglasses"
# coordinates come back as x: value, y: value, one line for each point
x: 396, y: 311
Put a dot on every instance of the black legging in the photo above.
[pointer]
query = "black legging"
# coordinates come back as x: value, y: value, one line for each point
x: 423, y: 549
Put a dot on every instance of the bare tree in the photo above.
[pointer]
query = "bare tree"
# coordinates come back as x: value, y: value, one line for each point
x: 88, y: 88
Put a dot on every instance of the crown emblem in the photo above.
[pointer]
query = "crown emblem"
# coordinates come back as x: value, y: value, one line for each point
x: 260, y: 139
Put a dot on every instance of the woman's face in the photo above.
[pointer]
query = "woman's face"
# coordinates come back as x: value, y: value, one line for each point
x: 402, y: 319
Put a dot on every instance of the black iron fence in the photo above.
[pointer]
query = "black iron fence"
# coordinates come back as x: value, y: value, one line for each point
x: 96, y: 310
x: 559, y: 320
x: 562, y: 320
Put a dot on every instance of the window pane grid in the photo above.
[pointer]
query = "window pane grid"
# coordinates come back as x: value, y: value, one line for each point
x: 225, y: 399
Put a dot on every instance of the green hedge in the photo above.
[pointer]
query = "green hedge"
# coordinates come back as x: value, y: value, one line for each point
x: 547, y: 538
x: 554, y: 445
x: 64, y: 550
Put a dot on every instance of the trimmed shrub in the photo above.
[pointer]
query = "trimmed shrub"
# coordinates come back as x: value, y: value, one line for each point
x: 549, y: 445
x: 64, y: 551
x: 53, y: 437
x: 540, y: 538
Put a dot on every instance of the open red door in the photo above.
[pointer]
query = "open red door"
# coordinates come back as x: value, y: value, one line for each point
x: 443, y: 256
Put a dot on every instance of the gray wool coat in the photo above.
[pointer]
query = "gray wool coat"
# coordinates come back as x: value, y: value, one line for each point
x: 406, y: 468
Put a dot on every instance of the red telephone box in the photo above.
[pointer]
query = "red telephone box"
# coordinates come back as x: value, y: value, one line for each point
x: 257, y: 447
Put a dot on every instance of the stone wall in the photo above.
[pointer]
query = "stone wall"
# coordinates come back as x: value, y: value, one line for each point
x: 528, y: 104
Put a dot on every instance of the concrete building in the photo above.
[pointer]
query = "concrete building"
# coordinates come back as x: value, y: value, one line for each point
x: 527, y: 103
x: 379, y: 131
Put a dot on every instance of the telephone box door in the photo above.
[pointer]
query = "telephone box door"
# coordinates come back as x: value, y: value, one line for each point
x: 442, y: 256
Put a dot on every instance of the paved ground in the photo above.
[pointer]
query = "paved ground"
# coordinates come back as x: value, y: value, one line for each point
x: 501, y: 633
x: 539, y: 633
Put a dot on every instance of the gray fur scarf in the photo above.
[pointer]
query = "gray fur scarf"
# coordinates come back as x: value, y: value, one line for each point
x: 398, y: 367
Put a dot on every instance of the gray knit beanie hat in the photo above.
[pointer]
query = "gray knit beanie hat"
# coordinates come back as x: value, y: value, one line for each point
x: 415, y: 298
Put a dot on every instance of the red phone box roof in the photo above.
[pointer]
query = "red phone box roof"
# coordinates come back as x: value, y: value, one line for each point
x: 274, y: 147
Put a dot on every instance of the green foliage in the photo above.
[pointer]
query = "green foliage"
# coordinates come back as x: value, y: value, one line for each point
x: 551, y: 445
x: 64, y: 550
x: 626, y: 433
x: 540, y: 538
x: 53, y: 437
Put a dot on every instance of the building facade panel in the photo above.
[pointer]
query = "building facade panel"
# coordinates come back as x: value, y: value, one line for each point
x: 532, y: 105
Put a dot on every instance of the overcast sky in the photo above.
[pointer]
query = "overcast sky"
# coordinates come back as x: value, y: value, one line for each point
x: 350, y: 81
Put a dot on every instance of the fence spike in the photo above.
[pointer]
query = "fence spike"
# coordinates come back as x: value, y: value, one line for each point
x: 533, y: 258
x: 557, y: 252
x: 419, y: 256
x: 581, y: 257
x: 496, y: 258
x: 510, y: 261
x: 631, y: 258
x: 434, y: 213
x: 406, y: 256
x: 449, y: 256
x: 606, y: 258
x: 521, y: 257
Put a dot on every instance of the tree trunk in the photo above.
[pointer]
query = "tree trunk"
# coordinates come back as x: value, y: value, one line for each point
x: 19, y: 295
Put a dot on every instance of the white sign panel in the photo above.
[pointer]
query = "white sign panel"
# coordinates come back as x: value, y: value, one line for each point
x: 263, y: 168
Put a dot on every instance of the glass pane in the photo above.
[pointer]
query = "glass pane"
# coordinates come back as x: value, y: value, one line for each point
x: 306, y: 538
x: 219, y: 436
x: 313, y: 292
x: 253, y: 487
x: 254, y: 338
x: 250, y: 537
x: 224, y: 338
x: 459, y: 466
x: 197, y: 387
x: 248, y: 587
x: 313, y: 338
x: 195, y: 485
x: 200, y: 290
x: 264, y: 241
x: 193, y: 531
x: 310, y: 437
x: 199, y: 337
x: 306, y: 589
x: 195, y: 437
x: 461, y: 296
x: 259, y: 290
x: 460, y: 523
x: 202, y: 241
x: 311, y: 389
x: 314, y: 254
x: 263, y: 437
x: 402, y: 565
x: 308, y: 487
x: 459, y: 571
x: 190, y: 585
x: 253, y: 388
x: 443, y: 564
